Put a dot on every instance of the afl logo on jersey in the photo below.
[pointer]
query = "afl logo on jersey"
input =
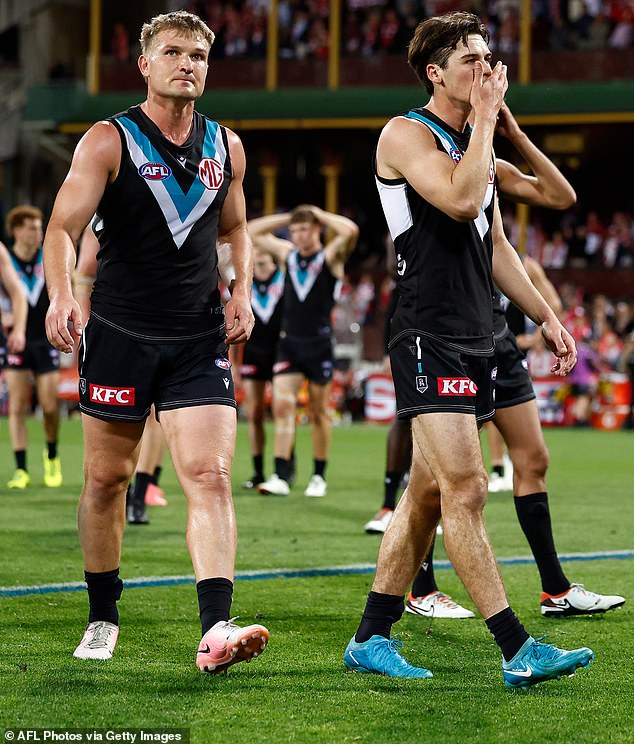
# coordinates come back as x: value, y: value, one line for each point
x: 155, y: 171
x: 222, y: 363
x: 211, y: 173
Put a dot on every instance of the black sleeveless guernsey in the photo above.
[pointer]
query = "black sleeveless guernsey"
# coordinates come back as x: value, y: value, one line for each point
x: 157, y: 226
x: 444, y: 267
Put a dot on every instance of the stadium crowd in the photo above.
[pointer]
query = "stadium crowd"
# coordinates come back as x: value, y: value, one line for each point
x: 579, y: 241
x: 374, y: 27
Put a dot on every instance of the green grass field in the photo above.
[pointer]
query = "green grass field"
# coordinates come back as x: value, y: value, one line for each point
x: 298, y: 690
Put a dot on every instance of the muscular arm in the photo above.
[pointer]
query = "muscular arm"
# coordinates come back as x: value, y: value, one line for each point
x: 261, y: 231
x: 95, y: 162
x: 511, y: 277
x: 407, y: 150
x: 542, y: 283
x: 84, y: 275
x: 233, y: 229
x: 341, y: 246
x: 20, y: 309
x: 546, y: 187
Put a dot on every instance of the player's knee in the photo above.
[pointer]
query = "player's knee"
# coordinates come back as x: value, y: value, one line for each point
x: 107, y: 480
x: 467, y: 492
x: 205, y: 476
x: 531, y: 463
x: 284, y: 407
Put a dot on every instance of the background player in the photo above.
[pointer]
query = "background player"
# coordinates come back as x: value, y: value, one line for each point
x: 305, y: 347
x: 256, y: 368
x: 38, y: 361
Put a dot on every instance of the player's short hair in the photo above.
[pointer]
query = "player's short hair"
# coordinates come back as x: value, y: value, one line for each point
x: 303, y: 214
x: 20, y: 214
x: 188, y: 24
x: 436, y: 38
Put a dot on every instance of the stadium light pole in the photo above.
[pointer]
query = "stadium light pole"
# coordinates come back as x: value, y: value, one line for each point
x: 268, y: 173
x: 94, y: 56
x: 334, y: 47
x: 272, y: 46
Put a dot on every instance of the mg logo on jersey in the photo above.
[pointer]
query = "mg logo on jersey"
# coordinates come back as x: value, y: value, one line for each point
x: 112, y: 396
x: 457, y: 386
x: 211, y: 173
x: 155, y: 171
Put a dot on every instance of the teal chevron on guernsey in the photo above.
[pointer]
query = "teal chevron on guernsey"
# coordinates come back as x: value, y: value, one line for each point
x: 293, y: 573
x: 181, y: 209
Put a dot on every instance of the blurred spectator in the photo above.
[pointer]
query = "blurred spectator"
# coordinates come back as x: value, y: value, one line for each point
x: 120, y: 43
x: 555, y: 252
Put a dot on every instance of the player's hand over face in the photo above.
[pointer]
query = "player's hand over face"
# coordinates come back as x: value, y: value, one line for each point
x: 64, y: 324
x: 506, y: 124
x: 563, y: 346
x: 487, y: 91
x: 239, y: 318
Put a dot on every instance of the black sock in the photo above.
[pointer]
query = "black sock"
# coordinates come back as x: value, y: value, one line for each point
x: 425, y: 582
x: 258, y: 465
x: 320, y: 467
x: 141, y: 482
x: 52, y: 450
x: 534, y: 518
x: 283, y: 468
x: 381, y: 612
x: 393, y: 480
x: 104, y: 589
x: 499, y: 469
x: 156, y: 475
x: 20, y: 459
x: 507, y: 632
x: 214, y: 601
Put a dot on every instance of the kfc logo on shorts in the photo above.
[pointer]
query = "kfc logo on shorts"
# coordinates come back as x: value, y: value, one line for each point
x: 155, y: 171
x: 222, y: 363
x: 112, y: 396
x: 211, y: 173
x: 14, y: 360
x: 457, y: 386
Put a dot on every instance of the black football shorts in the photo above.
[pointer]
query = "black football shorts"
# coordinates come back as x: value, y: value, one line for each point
x: 121, y: 374
x: 311, y: 357
x: 430, y: 377
x: 512, y: 383
x: 257, y: 363
x: 39, y: 357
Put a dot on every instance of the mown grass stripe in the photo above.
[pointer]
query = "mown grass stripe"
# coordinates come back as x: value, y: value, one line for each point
x: 293, y: 573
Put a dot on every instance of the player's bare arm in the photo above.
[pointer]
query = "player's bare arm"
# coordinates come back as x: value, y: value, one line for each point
x: 262, y: 229
x: 95, y: 163
x: 85, y: 271
x: 239, y: 317
x: 546, y: 186
x: 16, y: 339
x: 543, y: 284
x: 407, y: 150
x: 342, y: 244
x: 511, y: 277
